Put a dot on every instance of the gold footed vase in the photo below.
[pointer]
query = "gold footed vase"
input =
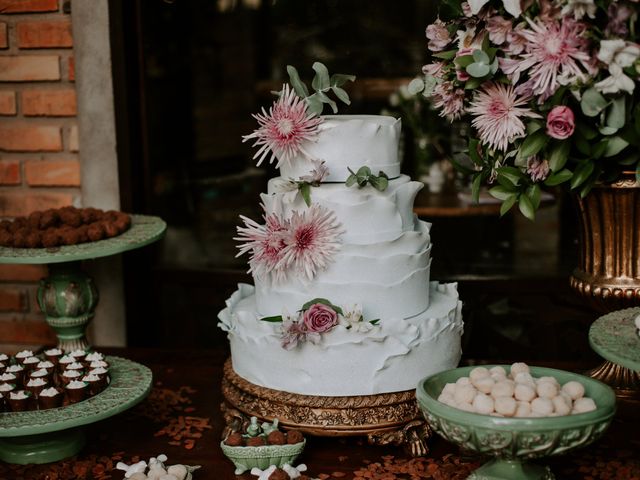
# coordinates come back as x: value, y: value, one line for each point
x: 608, y: 273
x: 385, y: 419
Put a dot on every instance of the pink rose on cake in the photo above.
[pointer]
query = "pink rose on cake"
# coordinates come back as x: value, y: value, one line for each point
x: 320, y: 318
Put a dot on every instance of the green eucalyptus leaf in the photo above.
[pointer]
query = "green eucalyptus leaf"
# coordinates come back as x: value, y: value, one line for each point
x: 473, y: 83
x: 429, y: 84
x: 501, y: 193
x: 382, y: 182
x: 526, y: 207
x: 448, y: 55
x: 608, y: 130
x: 339, y: 79
x: 464, y: 61
x: 341, y: 94
x: 533, y: 144
x: 351, y: 180
x: 586, y: 131
x: 617, y: 113
x: 324, y: 98
x: 614, y: 146
x: 481, y: 57
x: 534, y: 193
x: 475, y: 188
x: 297, y: 84
x: 274, y: 319
x: 305, y: 191
x: 364, y: 171
x: 558, y: 177
x: 415, y: 86
x: 513, y: 174
x: 322, y: 301
x: 581, y: 173
x: 494, y: 66
x: 314, y: 104
x: 507, y: 204
x: 592, y: 102
x: 559, y: 155
x: 321, y: 80
x: 478, y: 70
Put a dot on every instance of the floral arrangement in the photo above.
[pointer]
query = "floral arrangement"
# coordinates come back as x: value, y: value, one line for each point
x: 316, y: 317
x: 549, y: 87
x: 300, y: 245
x: 302, y: 186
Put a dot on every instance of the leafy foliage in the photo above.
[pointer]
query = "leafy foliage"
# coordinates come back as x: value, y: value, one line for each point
x: 322, y: 84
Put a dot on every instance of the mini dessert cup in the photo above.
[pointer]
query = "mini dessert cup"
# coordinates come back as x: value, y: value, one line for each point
x: 96, y: 384
x: 64, y: 361
x: 50, y: 398
x: 30, y: 363
x: 53, y: 355
x: 18, y: 371
x: 3, y: 366
x: 77, y: 391
x: 69, y: 376
x: 4, y: 358
x: 5, y: 388
x: 94, y: 357
x: 48, y: 366
x: 36, y: 385
x: 8, y: 378
x: 79, y: 355
x: 23, y: 355
x: 75, y: 366
x: 19, y: 400
x: 103, y: 374
x: 98, y: 364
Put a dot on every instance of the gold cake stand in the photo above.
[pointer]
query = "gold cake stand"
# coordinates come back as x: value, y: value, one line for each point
x: 385, y: 419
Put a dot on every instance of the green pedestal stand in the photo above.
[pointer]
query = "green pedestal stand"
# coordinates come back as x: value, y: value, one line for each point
x: 45, y: 436
x: 68, y: 296
x: 501, y: 469
x: 614, y: 337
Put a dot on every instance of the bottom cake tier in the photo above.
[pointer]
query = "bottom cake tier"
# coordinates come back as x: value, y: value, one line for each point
x: 392, y: 356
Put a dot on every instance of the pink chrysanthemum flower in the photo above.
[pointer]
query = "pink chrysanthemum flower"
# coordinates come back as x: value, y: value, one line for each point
x: 284, y: 130
x: 498, y: 111
x: 556, y: 54
x: 311, y: 241
x: 266, y: 244
x: 449, y: 100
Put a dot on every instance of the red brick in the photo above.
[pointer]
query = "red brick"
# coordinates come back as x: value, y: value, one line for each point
x: 25, y: 330
x: 30, y: 138
x: 22, y: 68
x: 7, y: 102
x: 54, y: 103
x: 27, y: 6
x: 4, y: 41
x: 12, y: 299
x: 74, y: 145
x: 15, y: 204
x: 22, y: 273
x: 57, y: 173
x: 72, y: 69
x: 10, y: 172
x: 45, y: 34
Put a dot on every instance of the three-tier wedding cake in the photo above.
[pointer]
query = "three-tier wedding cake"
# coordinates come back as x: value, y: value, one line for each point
x: 342, y: 304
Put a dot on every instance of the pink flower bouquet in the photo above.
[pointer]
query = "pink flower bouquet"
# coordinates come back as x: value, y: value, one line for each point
x: 549, y: 89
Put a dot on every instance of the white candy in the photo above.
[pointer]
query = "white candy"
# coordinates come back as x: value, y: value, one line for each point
x: 523, y: 409
x: 463, y: 381
x: 447, y: 399
x: 519, y: 367
x: 156, y: 472
x: 542, y: 406
x: 467, y: 407
x: 465, y: 394
x: 583, y: 405
x: 526, y: 378
x: 483, y: 403
x: 178, y: 471
x: 574, y: 389
x: 449, y: 388
x: 548, y: 379
x: 524, y: 392
x: 560, y: 405
x: 477, y: 373
x: 498, y: 371
x: 484, y: 384
x: 506, y: 406
x: 168, y: 476
x: 503, y: 389
x: 138, y: 476
x: 498, y: 377
x: 547, y: 390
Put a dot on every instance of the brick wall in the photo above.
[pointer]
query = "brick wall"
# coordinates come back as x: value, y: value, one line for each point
x: 39, y: 165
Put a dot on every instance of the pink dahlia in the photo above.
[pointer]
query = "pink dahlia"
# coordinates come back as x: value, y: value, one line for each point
x: 311, y: 241
x: 266, y: 244
x: 498, y: 111
x: 284, y: 130
x: 556, y: 54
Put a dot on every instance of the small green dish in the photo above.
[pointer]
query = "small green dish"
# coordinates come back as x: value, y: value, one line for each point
x: 514, y: 441
x: 245, y: 458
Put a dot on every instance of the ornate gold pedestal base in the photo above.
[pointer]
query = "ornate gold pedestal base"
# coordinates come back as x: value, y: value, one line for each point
x: 626, y: 384
x: 385, y: 419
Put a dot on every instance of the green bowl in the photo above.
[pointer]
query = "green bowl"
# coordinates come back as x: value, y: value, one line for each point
x: 245, y: 458
x: 514, y: 440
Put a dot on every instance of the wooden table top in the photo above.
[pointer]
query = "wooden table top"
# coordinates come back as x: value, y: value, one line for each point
x: 181, y: 418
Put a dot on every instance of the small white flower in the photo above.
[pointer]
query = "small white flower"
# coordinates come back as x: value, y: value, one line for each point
x: 580, y: 8
x: 130, y: 470
x: 617, y: 55
x: 513, y: 7
x: 476, y: 5
x: 353, y: 320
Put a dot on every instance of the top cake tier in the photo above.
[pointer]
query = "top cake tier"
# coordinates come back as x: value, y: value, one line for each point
x: 350, y: 141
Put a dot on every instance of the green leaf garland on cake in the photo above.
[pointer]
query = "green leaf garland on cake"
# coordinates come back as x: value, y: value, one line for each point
x: 294, y: 118
x: 316, y: 317
x: 363, y: 176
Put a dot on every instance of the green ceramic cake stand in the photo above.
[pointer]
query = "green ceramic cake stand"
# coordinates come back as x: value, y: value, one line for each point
x: 68, y: 296
x: 615, y: 338
x: 44, y: 436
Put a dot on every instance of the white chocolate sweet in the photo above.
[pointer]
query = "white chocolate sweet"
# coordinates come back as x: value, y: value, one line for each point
x: 498, y: 370
x: 523, y: 409
x: 542, y: 406
x: 583, y: 405
x: 447, y: 399
x: 483, y: 403
x: 467, y: 407
x: 548, y: 379
x: 463, y: 381
x: 519, y: 367
x: 524, y: 392
x: 506, y: 406
x: 574, y: 389
x: 504, y: 388
x: 478, y: 372
x: 525, y: 378
x: 547, y: 390
x: 449, y: 388
x: 465, y: 394
x: 484, y: 384
x: 561, y: 406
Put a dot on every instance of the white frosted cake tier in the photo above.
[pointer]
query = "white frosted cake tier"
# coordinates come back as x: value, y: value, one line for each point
x: 366, y: 214
x: 350, y: 141
x: 387, y: 278
x: 391, y: 357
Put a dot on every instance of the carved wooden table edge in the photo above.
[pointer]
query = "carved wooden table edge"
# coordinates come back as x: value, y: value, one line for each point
x: 384, y: 419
